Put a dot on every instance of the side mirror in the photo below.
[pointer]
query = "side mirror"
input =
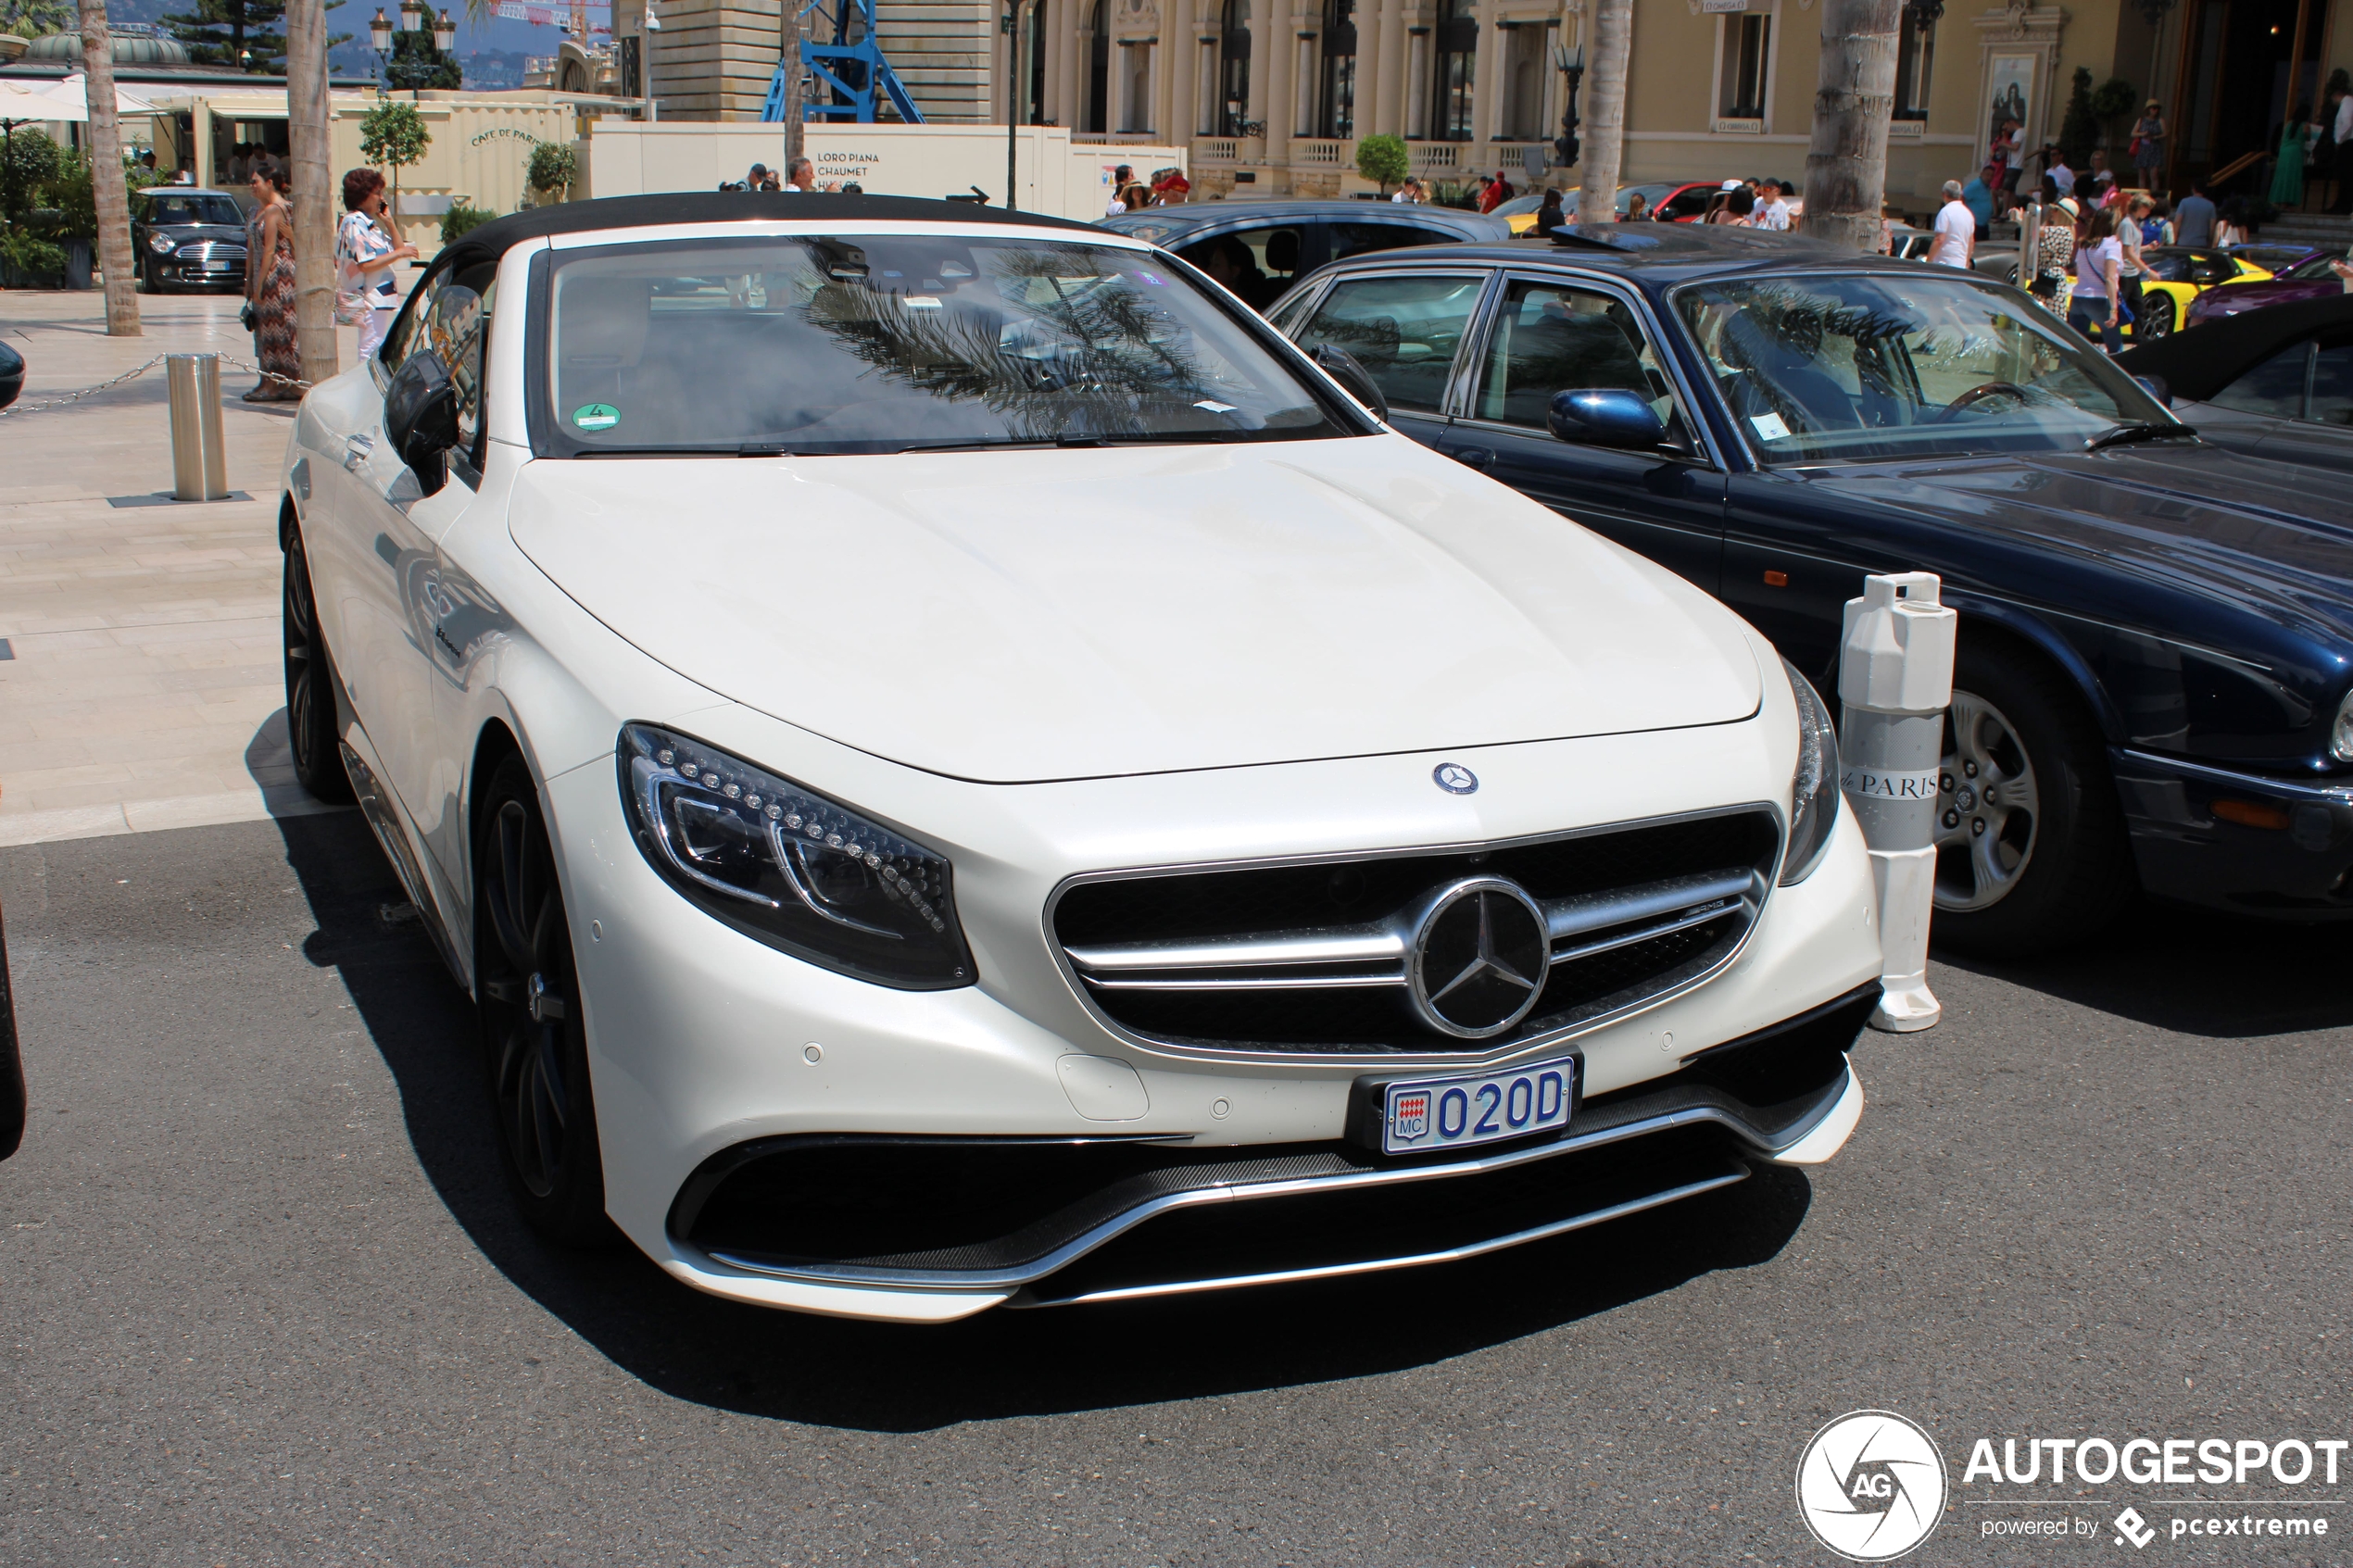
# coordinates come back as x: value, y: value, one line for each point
x: 2155, y: 386
x: 421, y: 416
x: 1349, y: 370
x: 1604, y: 416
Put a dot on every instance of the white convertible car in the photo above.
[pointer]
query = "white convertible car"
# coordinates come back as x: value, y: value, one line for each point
x: 959, y: 769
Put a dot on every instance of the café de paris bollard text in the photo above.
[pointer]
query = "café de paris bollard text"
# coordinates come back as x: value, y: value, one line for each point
x: 1895, y: 682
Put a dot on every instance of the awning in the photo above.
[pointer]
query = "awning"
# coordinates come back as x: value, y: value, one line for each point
x: 29, y: 101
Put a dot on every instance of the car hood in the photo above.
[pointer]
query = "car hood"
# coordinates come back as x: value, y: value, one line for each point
x: 186, y: 233
x: 2231, y: 528
x: 1026, y: 615
x: 2240, y: 297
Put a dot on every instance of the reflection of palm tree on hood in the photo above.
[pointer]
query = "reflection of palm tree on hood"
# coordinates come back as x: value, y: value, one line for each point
x: 1087, y: 361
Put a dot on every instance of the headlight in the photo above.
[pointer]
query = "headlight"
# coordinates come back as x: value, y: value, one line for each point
x: 2341, y: 743
x: 163, y: 244
x: 789, y: 868
x: 1813, y: 794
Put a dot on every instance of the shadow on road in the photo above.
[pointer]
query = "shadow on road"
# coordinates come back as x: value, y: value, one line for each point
x: 2195, y: 971
x: 881, y: 1378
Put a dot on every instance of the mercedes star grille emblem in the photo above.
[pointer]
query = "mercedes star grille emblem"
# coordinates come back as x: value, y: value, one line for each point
x: 1481, y: 955
x: 1456, y: 779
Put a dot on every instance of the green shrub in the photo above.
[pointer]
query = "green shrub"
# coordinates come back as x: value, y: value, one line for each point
x: 72, y: 193
x: 30, y: 263
x: 462, y: 217
x: 1384, y: 160
x: 29, y: 160
x: 553, y: 167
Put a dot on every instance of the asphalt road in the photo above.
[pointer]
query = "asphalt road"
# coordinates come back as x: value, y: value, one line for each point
x: 261, y: 1300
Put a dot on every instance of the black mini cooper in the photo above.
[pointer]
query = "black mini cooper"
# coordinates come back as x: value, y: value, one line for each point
x: 188, y: 239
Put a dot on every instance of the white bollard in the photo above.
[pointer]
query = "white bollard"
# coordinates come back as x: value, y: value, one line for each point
x: 1895, y: 682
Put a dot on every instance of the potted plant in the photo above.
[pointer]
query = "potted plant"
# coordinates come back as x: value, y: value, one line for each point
x: 75, y: 202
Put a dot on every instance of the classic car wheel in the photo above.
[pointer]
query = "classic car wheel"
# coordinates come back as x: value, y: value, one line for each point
x: 2157, y: 318
x: 531, y: 1018
x: 312, y: 727
x: 2031, y: 851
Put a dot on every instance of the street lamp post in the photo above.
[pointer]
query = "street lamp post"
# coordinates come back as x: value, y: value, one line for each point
x: 1571, y: 65
x: 407, y: 70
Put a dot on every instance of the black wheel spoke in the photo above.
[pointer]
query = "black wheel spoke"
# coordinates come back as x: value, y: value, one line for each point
x: 508, y: 915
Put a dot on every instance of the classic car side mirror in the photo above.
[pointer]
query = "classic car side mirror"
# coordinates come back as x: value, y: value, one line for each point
x: 421, y: 416
x: 1604, y: 416
x: 1349, y: 370
x: 2155, y: 386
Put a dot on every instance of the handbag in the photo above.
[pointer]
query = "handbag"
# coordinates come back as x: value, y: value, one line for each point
x: 246, y: 317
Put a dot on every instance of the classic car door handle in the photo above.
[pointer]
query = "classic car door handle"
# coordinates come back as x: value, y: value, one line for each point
x: 1473, y: 457
x: 355, y: 451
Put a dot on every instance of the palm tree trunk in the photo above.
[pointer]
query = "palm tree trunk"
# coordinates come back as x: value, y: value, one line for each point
x: 1602, y: 149
x: 1847, y: 165
x: 106, y: 175
x: 314, y: 220
x: 794, y: 81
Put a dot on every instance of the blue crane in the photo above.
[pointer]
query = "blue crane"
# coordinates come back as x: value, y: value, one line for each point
x: 848, y: 76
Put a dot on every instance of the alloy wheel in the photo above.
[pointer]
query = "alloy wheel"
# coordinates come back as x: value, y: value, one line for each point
x: 2157, y: 319
x: 527, y: 997
x: 312, y: 733
x: 1987, y: 806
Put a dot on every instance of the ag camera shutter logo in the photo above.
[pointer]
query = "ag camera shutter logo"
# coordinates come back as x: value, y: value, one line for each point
x: 1870, y: 1485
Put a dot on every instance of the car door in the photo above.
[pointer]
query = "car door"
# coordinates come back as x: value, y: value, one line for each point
x: 1407, y: 330
x: 1545, y: 335
x: 404, y: 650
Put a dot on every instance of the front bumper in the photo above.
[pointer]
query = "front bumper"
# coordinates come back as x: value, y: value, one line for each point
x: 2237, y: 841
x: 1021, y: 1223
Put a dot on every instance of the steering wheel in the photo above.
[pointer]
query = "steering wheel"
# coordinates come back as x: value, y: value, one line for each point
x: 1969, y: 399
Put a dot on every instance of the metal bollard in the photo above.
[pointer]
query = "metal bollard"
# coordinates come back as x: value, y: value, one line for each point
x: 199, y: 471
x: 1895, y: 682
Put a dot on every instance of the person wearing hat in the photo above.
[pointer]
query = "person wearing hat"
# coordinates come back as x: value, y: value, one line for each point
x: 2148, y: 144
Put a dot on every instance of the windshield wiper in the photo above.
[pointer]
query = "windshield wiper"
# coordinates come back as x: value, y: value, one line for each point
x: 2135, y: 430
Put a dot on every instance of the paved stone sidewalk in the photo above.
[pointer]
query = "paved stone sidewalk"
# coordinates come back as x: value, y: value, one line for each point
x: 144, y: 687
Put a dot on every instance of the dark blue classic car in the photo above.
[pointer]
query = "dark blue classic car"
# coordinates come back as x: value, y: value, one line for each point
x: 2154, y: 686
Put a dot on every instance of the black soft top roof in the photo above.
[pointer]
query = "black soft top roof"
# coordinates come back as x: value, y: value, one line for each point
x: 495, y: 238
x: 2199, y: 361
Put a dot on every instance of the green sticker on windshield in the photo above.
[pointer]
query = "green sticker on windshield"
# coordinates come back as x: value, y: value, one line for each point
x: 597, y: 416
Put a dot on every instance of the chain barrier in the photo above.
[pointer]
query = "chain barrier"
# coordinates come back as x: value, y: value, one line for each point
x: 62, y: 399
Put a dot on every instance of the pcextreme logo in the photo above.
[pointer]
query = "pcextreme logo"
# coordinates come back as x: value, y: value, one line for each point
x: 1870, y: 1485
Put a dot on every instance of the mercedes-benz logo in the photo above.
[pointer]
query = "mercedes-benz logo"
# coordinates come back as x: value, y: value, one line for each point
x: 1481, y: 952
x: 1456, y: 779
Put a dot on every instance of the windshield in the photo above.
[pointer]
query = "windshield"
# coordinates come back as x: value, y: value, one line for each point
x: 194, y: 209
x: 1855, y: 366
x: 830, y: 345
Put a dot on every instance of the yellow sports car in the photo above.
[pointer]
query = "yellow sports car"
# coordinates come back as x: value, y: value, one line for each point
x: 2182, y: 273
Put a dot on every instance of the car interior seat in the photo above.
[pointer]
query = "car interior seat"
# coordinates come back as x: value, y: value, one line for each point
x: 603, y: 328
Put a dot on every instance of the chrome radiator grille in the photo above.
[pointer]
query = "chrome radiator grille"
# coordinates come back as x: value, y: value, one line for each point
x: 1340, y: 957
x: 210, y: 250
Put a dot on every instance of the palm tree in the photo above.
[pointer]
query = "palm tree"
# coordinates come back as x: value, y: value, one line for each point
x: 1603, y: 150
x: 307, y: 133
x: 113, y: 196
x: 1847, y: 165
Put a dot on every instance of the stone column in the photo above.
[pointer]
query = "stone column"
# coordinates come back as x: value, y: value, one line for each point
x: 1487, y: 92
x: 1394, y: 77
x: 1368, y: 53
x: 1303, y: 74
x: 1181, y: 61
x: 1417, y: 86
x: 1273, y: 83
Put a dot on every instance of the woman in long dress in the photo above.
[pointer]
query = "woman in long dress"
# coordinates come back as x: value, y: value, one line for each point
x: 269, y: 284
x: 2287, y: 176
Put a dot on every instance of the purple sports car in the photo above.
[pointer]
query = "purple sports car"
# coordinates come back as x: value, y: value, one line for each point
x: 2313, y: 277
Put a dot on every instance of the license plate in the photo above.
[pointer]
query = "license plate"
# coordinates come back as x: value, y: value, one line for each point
x: 1421, y: 1114
x: 216, y: 267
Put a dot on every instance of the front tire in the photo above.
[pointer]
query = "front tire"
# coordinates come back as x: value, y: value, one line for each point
x: 2031, y: 848
x: 314, y: 729
x: 532, y: 1024
x: 2157, y: 319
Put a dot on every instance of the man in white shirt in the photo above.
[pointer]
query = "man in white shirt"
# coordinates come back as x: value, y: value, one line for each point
x: 2060, y: 174
x: 1774, y: 214
x: 1955, y: 230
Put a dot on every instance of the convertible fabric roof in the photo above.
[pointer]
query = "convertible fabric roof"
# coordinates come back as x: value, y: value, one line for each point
x: 2199, y: 361
x: 495, y: 238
